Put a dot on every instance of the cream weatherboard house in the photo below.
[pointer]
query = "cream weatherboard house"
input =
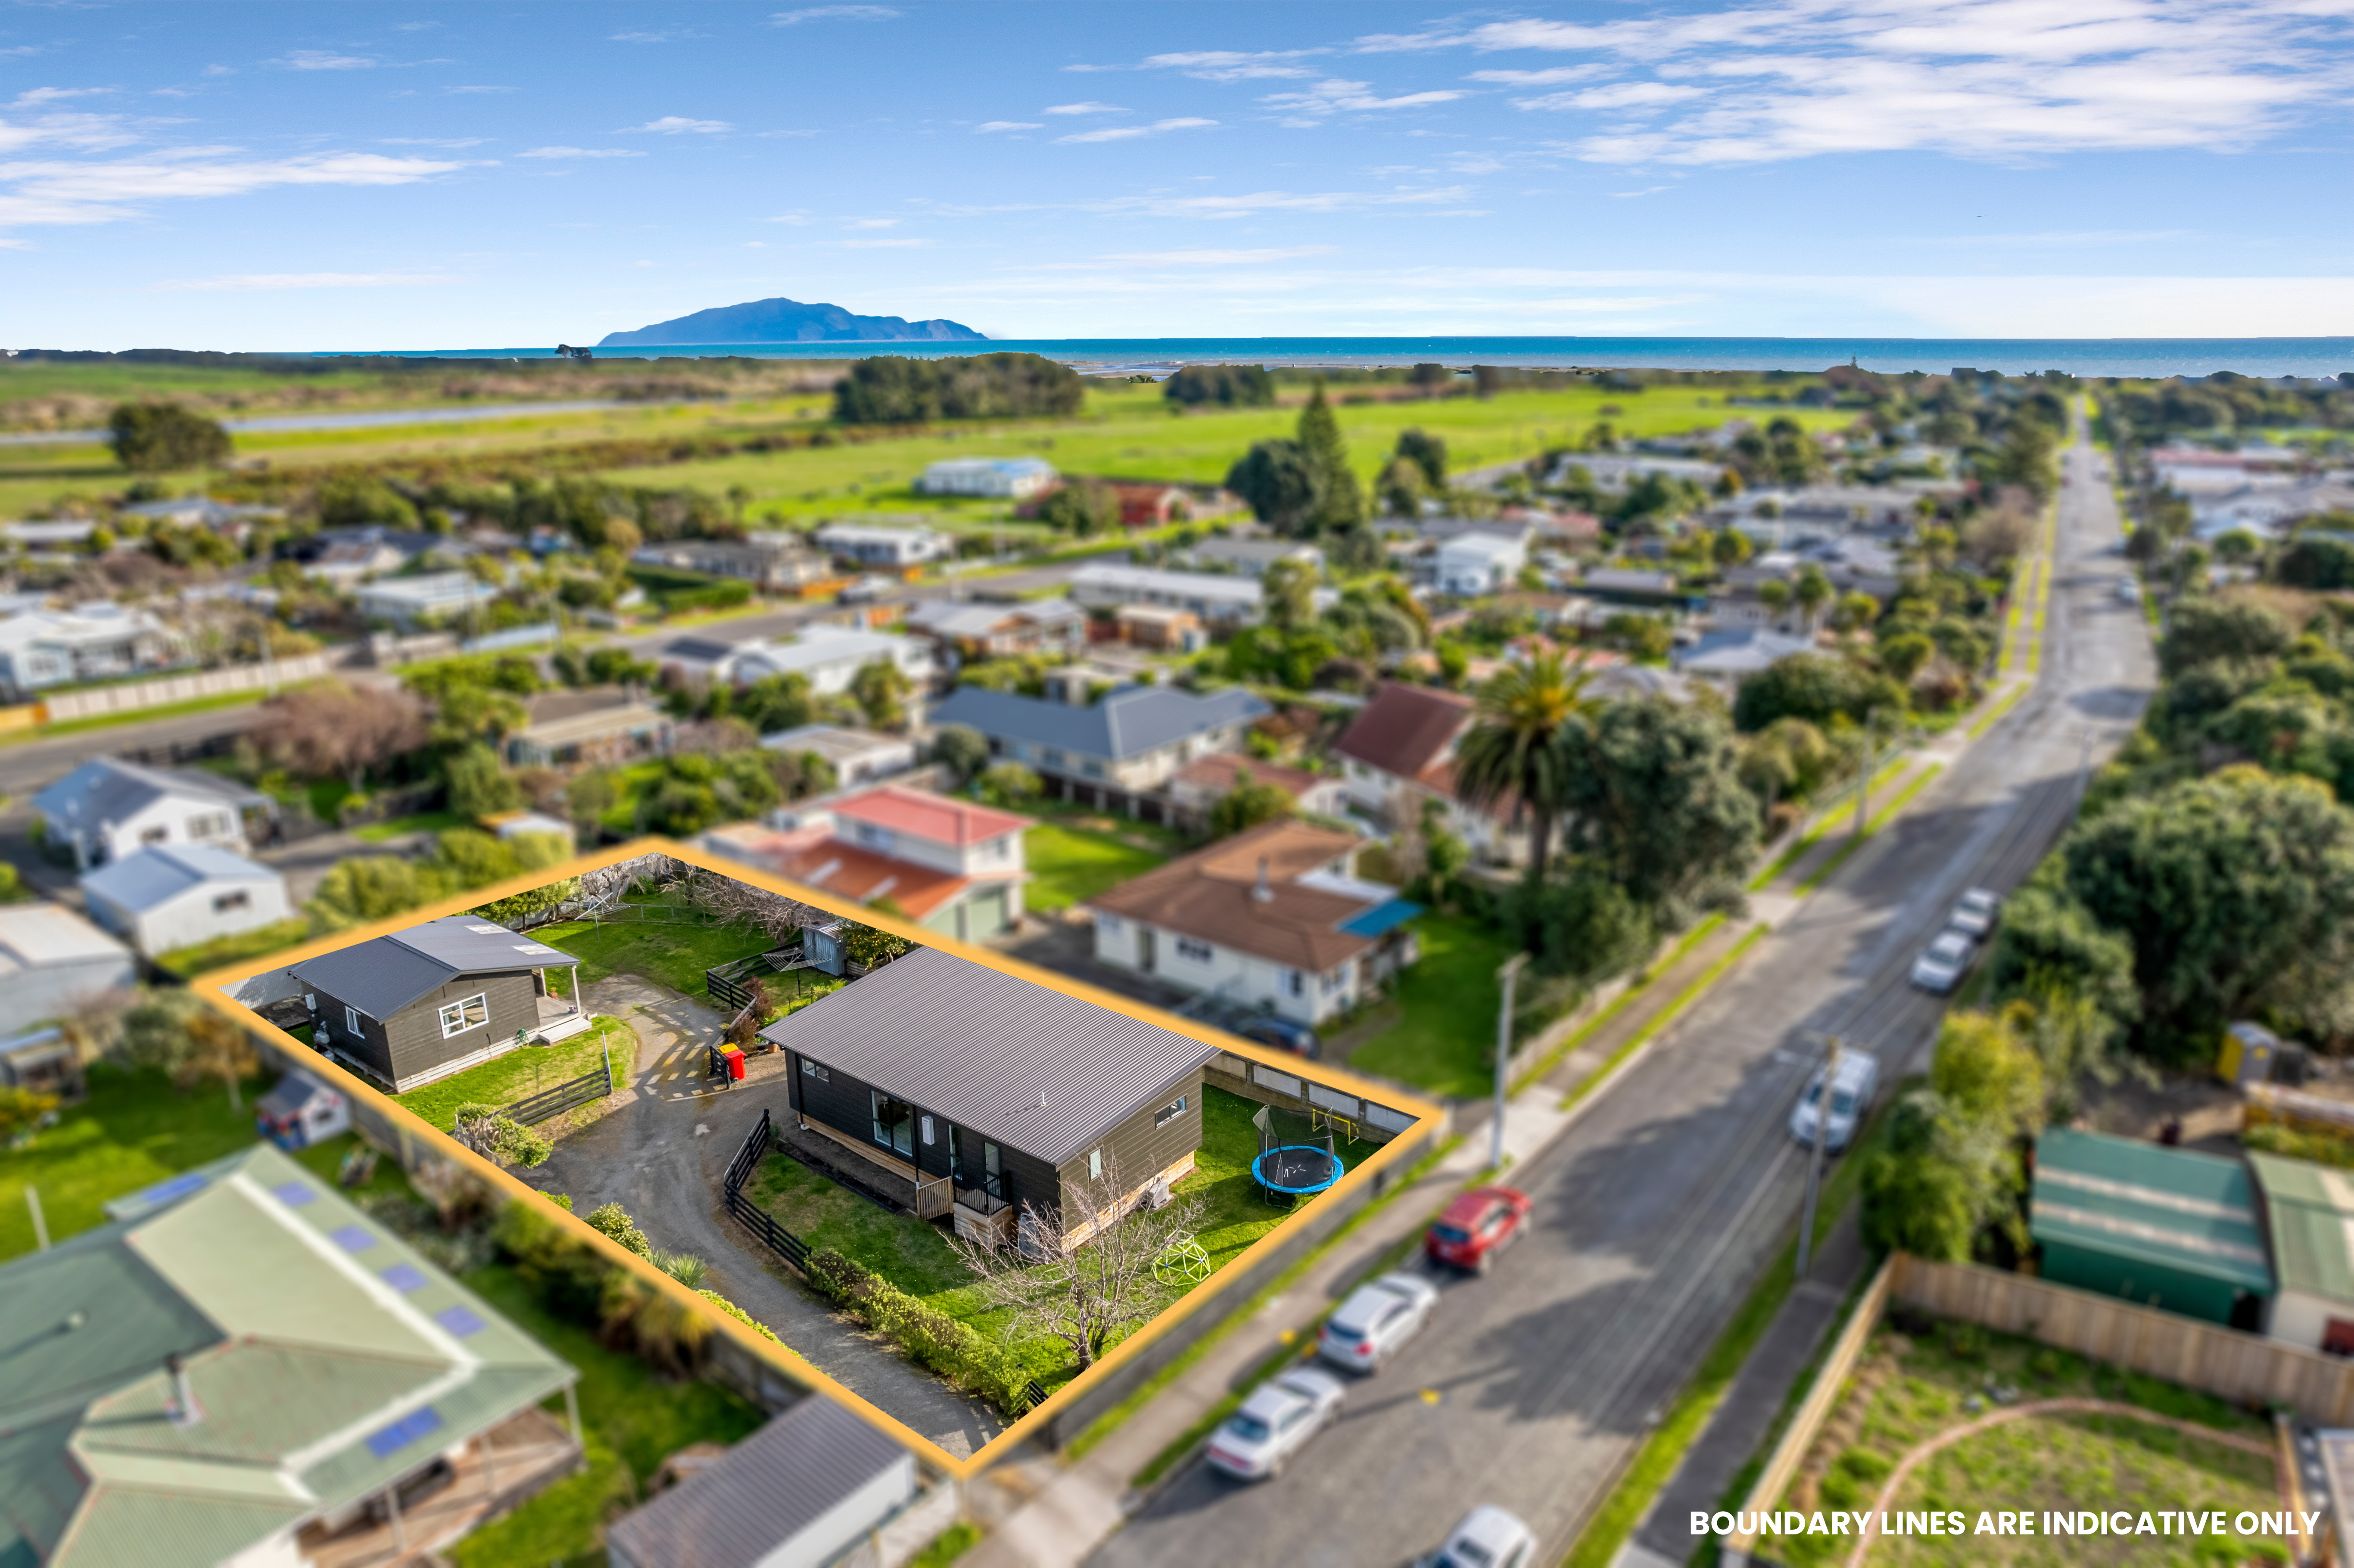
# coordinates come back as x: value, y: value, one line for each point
x: 1111, y: 753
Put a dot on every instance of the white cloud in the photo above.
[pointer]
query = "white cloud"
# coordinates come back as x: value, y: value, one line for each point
x: 476, y: 88
x: 871, y: 223
x: 40, y: 95
x: 1086, y: 109
x: 833, y: 14
x: 986, y: 126
x: 1253, y: 203
x: 582, y: 152
x: 45, y: 193
x: 83, y: 132
x: 320, y: 59
x: 887, y: 244
x: 1646, y: 190
x: 255, y: 283
x: 1335, y: 96
x: 434, y: 141
x: 1638, y: 96
x: 1130, y: 132
x: 1215, y: 258
x: 1549, y: 76
x: 1231, y: 65
x: 678, y: 125
x: 414, y: 27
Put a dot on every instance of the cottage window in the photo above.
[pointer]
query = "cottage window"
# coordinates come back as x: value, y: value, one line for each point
x: 1109, y: 924
x: 211, y: 826
x: 811, y: 1070
x: 1193, y: 951
x: 155, y: 835
x: 225, y: 902
x: 895, y: 1122
x: 1094, y: 1165
x: 352, y: 1021
x: 470, y: 1014
x: 1294, y: 983
x: 1169, y: 1112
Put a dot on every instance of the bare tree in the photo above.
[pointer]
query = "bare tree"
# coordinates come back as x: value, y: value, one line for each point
x: 769, y: 913
x: 1084, y: 1274
x: 334, y: 731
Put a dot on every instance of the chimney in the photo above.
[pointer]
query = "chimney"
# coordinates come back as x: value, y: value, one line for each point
x: 184, y: 1398
x: 1263, y: 892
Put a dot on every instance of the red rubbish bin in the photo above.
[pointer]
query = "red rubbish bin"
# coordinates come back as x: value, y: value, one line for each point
x: 735, y: 1066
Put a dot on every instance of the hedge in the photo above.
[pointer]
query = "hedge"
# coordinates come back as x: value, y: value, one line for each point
x: 927, y: 1336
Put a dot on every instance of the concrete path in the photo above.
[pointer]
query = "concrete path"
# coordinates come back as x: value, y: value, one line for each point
x: 660, y: 1152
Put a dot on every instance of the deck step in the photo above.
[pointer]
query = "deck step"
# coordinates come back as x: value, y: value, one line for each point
x: 564, y: 1028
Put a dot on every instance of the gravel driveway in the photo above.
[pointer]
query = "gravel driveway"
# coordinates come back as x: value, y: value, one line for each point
x: 660, y: 1154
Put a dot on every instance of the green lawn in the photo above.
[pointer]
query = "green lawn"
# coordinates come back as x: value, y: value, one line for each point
x: 1071, y: 865
x: 133, y: 1131
x: 526, y: 1070
x: 189, y: 962
x: 1234, y: 1214
x: 632, y: 1419
x: 674, y: 955
x: 1445, y: 1040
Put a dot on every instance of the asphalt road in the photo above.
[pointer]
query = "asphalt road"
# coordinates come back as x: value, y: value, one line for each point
x: 1659, y: 1207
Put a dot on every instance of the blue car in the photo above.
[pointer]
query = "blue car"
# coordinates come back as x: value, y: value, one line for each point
x: 1284, y: 1035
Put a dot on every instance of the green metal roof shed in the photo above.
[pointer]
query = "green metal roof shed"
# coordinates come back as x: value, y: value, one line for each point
x: 325, y: 1360
x: 2163, y: 1227
x: 2309, y: 1209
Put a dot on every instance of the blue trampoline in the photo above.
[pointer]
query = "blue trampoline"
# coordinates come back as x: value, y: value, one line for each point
x: 1294, y: 1171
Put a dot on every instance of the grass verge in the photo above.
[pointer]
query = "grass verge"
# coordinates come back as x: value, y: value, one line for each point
x: 1813, y: 835
x: 1822, y: 874
x: 1619, y: 1003
x: 1665, y: 1016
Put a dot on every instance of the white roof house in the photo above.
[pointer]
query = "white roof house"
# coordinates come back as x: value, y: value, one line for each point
x: 1727, y: 656
x: 1474, y: 564
x: 1220, y: 600
x: 108, y: 809
x: 2265, y: 510
x: 856, y: 756
x: 883, y: 546
x: 434, y: 596
x: 163, y: 899
x: 828, y: 656
x: 45, y: 648
x: 51, y: 957
x: 1012, y: 479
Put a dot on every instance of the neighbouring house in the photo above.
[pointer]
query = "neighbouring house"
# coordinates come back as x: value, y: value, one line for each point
x: 1204, y: 782
x: 430, y: 599
x: 1223, y: 601
x: 1471, y: 564
x: 1633, y: 585
x: 244, y: 1367
x: 770, y: 560
x: 1162, y: 630
x: 951, y: 866
x: 519, y: 824
x: 1616, y: 471
x: 817, y: 1485
x: 856, y: 756
x: 343, y: 557
x: 108, y: 808
x: 2161, y: 1227
x: 1732, y: 654
x: 2188, y: 470
x: 828, y: 657
x: 52, y: 959
x: 44, y: 1061
x: 978, y: 630
x: 594, y: 726
x: 1400, y: 751
x: 173, y: 896
x: 421, y: 1004
x: 1251, y: 557
x: 991, y: 1095
x: 998, y: 479
x: 1271, y: 918
x: 232, y: 519
x: 1113, y: 752
x: 890, y: 549
x: 2267, y: 510
x: 2309, y: 1217
x: 1152, y: 505
x: 40, y: 649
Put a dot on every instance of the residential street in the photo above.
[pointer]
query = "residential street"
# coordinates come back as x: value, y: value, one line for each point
x: 1657, y: 1207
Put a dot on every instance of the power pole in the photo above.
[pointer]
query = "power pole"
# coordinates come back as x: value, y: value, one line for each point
x: 1505, y: 977
x: 1863, y: 777
x: 1815, y: 1157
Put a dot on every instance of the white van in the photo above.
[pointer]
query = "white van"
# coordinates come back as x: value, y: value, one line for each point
x: 1852, y: 1092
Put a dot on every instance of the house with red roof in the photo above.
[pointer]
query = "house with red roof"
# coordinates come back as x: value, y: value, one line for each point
x: 953, y: 866
x: 1400, y: 751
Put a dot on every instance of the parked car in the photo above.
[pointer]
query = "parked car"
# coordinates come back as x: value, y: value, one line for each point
x: 864, y: 590
x: 2129, y: 590
x: 1476, y: 1226
x: 1853, y: 1087
x: 1941, y: 964
x: 1974, y: 914
x: 1379, y: 1316
x: 1488, y: 1538
x: 1284, y: 1035
x: 1275, y: 1423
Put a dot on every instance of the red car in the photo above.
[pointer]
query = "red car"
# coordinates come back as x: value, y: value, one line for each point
x: 1476, y: 1226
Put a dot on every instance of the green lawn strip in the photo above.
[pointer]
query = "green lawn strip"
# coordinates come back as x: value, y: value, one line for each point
x: 1986, y: 721
x: 133, y: 1131
x: 948, y: 1545
x: 1070, y: 865
x: 189, y: 962
x: 1640, y: 986
x: 1665, y: 1016
x: 631, y: 1418
x: 1443, y: 1040
x: 673, y: 956
x: 1103, y: 1426
x: 1856, y: 841
x: 421, y: 822
x: 1823, y: 825
x: 523, y: 1072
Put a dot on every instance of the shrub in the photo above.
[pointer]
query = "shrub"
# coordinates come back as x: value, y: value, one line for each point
x: 502, y: 1137
x: 931, y: 1337
x: 739, y: 1315
x: 1009, y: 784
x: 613, y: 1221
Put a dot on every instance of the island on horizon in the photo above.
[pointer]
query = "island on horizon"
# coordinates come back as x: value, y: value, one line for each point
x: 788, y: 320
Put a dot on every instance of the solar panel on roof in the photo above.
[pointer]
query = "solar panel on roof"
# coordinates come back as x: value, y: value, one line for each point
x: 392, y: 1439
x: 293, y: 1195
x: 403, y: 1277
x: 177, y: 1187
x: 460, y: 1320
x: 352, y: 1238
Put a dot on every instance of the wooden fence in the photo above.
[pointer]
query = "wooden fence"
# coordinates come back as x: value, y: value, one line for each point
x: 579, y: 1091
x: 756, y: 1220
x: 133, y: 695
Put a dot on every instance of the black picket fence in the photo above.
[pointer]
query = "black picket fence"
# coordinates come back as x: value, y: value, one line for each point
x: 580, y: 1091
x: 777, y: 1239
x: 1036, y: 1392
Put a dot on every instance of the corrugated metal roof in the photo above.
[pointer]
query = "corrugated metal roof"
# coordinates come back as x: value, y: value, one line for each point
x: 2188, y: 1212
x: 1125, y: 724
x: 2309, y: 1210
x: 142, y: 880
x: 383, y: 976
x: 36, y: 934
x: 107, y: 789
x: 1015, y: 1062
x: 771, y: 1486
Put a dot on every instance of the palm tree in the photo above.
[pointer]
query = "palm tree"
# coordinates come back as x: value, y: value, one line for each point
x: 1511, y: 751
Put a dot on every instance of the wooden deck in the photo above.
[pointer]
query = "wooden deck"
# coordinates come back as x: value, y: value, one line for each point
x: 504, y: 1467
x: 933, y: 1194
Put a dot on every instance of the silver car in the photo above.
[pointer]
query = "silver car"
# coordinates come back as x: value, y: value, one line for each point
x: 1488, y: 1538
x: 1941, y: 964
x: 1378, y: 1316
x: 1275, y: 1423
x: 1974, y: 914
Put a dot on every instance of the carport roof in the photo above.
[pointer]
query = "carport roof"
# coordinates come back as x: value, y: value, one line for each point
x: 2191, y: 1212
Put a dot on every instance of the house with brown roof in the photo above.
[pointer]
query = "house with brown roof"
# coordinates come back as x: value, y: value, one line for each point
x: 1271, y: 918
x: 1400, y: 751
x: 1202, y: 783
x: 593, y: 726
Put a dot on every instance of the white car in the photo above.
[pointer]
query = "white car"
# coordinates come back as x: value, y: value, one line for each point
x: 1274, y: 1421
x: 1939, y: 968
x: 1852, y: 1091
x: 1488, y: 1538
x: 864, y: 590
x: 2129, y: 590
x: 1378, y: 1316
x: 1974, y: 914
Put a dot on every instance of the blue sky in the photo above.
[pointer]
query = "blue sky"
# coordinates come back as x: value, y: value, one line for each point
x: 313, y: 175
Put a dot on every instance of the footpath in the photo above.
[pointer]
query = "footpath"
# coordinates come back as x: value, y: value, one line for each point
x: 1045, y: 1511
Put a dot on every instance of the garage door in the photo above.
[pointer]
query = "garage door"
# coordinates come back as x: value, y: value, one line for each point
x: 985, y: 913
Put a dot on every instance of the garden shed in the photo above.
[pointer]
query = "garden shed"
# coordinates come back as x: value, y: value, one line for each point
x: 2309, y: 1212
x: 2162, y: 1227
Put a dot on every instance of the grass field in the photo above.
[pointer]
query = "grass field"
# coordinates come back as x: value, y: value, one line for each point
x: 1071, y: 865
x: 675, y: 956
x: 1445, y: 1038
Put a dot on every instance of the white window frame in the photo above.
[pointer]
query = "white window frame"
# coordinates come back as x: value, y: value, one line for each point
x: 474, y: 1013
x: 1094, y: 1165
x: 1169, y: 1112
x: 352, y: 1021
x: 1195, y: 951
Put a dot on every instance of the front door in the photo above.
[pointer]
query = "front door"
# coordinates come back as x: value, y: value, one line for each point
x: 1144, y: 948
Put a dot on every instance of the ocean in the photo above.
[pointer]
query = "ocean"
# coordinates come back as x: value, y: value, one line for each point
x: 2123, y: 357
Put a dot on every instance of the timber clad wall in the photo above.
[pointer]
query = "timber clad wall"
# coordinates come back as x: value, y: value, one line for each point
x: 410, y: 1043
x: 1141, y: 1151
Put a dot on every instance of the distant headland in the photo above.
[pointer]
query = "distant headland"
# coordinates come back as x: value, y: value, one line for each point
x: 788, y: 321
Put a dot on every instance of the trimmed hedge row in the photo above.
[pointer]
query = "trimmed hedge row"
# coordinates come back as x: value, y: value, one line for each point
x: 928, y: 1336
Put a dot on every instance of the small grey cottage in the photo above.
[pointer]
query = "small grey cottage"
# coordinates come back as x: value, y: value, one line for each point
x: 990, y: 1093
x: 419, y: 1004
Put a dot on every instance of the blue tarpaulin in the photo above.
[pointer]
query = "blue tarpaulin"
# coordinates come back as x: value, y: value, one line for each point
x: 1382, y: 918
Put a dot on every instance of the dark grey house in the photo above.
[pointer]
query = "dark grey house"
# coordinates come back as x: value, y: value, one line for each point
x: 991, y: 1093
x: 419, y: 1004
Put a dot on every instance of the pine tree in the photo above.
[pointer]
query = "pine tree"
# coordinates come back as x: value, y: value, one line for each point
x: 1320, y: 436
